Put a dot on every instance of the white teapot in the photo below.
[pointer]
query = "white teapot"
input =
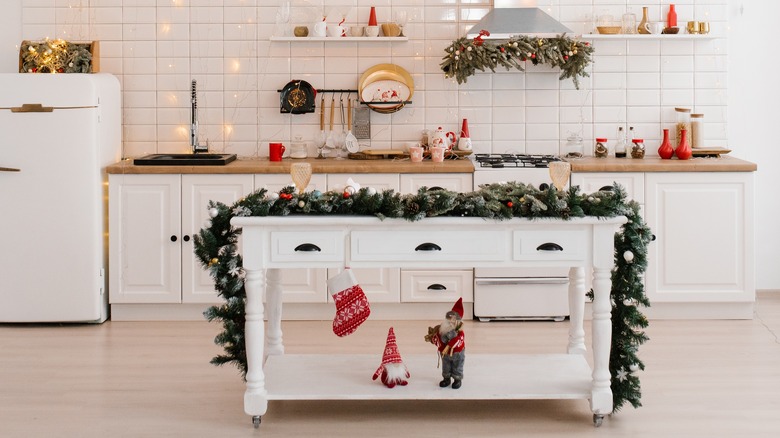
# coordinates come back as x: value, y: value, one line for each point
x: 442, y: 139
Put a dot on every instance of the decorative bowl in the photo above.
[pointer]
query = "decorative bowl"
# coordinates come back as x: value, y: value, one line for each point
x: 608, y: 30
x: 391, y: 29
x: 671, y: 30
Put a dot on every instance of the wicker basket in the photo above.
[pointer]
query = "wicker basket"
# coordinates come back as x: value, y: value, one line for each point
x: 92, y: 46
x: 608, y: 30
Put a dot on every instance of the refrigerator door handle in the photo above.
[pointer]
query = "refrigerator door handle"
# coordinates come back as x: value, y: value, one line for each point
x: 9, y: 169
x: 32, y: 108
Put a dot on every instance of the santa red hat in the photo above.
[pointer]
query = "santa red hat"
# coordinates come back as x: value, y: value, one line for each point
x: 458, y: 307
x: 392, y: 369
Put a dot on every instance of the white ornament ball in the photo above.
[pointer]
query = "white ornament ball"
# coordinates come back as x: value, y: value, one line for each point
x: 628, y: 256
x: 457, y: 52
x: 633, y: 367
x: 207, y: 224
x: 529, y: 54
x: 570, y: 53
x: 457, y: 58
x: 213, y: 212
x: 70, y: 64
x: 273, y: 196
x: 301, y: 204
x: 469, y: 48
x: 371, y: 191
x: 29, y: 70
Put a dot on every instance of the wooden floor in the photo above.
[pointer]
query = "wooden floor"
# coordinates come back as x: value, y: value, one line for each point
x: 141, y: 379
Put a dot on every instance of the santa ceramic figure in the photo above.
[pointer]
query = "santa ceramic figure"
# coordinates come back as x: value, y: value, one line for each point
x: 449, y: 338
x: 393, y: 370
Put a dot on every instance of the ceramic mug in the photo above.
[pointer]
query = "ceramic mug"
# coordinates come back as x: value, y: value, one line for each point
x: 319, y: 29
x: 275, y: 151
x: 656, y: 28
x: 464, y: 144
x: 416, y: 154
x: 437, y: 154
x: 372, y: 31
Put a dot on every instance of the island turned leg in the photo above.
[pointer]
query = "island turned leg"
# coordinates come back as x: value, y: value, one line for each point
x: 273, y: 290
x: 576, y: 310
x: 255, y: 397
x: 601, y: 393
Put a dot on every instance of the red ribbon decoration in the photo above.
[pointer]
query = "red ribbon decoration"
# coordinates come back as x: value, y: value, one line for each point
x: 478, y: 39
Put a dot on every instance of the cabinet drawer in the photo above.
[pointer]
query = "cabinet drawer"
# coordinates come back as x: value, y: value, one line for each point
x: 549, y: 245
x: 437, y: 286
x: 632, y: 182
x: 325, y: 246
x: 428, y: 246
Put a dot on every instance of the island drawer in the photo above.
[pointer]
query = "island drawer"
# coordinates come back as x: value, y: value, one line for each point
x: 324, y: 246
x: 438, y: 246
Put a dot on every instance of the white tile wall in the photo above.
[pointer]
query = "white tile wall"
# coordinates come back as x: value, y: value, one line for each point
x: 156, y: 47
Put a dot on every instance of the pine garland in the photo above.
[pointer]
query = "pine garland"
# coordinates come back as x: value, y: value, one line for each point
x: 55, y: 56
x: 465, y: 56
x: 216, y: 249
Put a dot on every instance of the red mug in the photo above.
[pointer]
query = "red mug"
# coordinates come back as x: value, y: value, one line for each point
x: 275, y: 151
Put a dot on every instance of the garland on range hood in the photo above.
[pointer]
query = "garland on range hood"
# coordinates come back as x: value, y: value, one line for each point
x: 216, y: 249
x: 466, y: 56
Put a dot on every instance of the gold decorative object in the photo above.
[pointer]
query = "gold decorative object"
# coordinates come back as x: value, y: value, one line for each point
x: 559, y: 173
x: 301, y: 175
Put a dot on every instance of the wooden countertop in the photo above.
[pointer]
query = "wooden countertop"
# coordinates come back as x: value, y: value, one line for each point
x: 329, y: 165
x: 654, y: 164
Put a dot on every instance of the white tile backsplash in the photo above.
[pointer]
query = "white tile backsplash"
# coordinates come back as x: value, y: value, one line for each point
x: 156, y: 47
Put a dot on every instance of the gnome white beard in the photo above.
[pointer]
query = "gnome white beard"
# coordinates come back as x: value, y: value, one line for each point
x: 396, y: 374
x: 447, y: 326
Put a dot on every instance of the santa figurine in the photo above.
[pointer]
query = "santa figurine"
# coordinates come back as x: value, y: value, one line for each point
x: 393, y: 370
x: 449, y: 338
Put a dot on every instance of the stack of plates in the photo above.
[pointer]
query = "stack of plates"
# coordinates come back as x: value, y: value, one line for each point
x: 386, y: 88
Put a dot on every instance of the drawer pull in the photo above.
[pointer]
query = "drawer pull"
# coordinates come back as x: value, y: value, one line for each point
x: 9, y: 169
x: 607, y: 189
x: 437, y: 286
x: 309, y: 247
x: 549, y: 246
x: 435, y: 188
x: 428, y: 246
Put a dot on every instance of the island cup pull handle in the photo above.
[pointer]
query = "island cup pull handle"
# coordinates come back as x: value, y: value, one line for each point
x: 428, y: 246
x: 308, y: 247
x: 437, y: 286
x: 549, y: 246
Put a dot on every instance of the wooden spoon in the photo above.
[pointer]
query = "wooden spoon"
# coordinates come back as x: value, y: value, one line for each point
x: 330, y: 142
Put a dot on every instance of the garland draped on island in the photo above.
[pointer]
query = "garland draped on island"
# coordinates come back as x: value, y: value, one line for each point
x: 216, y: 248
x: 465, y: 56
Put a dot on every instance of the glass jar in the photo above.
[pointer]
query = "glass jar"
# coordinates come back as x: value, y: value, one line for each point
x: 298, y: 148
x: 638, y: 148
x: 573, y: 147
x: 628, y: 23
x: 683, y: 122
x: 601, y: 150
x: 620, y: 144
x: 697, y: 131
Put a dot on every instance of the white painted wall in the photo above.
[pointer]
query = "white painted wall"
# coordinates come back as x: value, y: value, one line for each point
x: 10, y: 35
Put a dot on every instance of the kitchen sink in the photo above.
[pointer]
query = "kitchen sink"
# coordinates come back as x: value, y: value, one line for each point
x: 184, y: 160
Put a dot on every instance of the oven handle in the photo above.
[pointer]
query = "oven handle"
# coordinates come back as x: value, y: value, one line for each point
x: 519, y: 281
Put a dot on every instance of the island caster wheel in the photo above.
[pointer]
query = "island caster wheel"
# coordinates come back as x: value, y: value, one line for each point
x: 598, y: 419
x: 256, y: 421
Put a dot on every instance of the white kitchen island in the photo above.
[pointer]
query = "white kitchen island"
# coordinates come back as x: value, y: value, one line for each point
x: 273, y: 243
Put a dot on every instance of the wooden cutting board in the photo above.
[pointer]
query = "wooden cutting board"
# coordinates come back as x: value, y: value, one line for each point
x: 388, y: 152
x: 710, y: 152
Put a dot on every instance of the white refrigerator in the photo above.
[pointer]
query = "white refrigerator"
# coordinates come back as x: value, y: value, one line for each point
x: 58, y: 132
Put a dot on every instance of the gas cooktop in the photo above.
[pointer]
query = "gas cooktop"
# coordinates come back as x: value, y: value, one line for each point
x: 498, y: 161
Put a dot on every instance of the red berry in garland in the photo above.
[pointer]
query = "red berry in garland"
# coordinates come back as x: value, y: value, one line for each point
x: 509, y: 204
x: 346, y: 195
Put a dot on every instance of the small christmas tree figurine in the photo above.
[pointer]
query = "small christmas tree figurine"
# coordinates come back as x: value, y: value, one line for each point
x: 449, y: 338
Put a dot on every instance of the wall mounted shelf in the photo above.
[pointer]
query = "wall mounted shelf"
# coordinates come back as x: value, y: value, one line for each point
x: 683, y: 36
x: 340, y: 39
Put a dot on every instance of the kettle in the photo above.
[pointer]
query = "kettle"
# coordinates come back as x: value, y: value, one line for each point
x: 442, y: 139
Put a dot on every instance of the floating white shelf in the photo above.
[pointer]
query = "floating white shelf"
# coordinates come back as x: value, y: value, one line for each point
x: 683, y: 36
x: 340, y: 39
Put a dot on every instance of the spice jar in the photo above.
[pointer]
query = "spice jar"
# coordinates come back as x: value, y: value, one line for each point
x: 638, y: 148
x: 697, y: 131
x: 573, y: 147
x: 298, y: 148
x: 601, y: 150
x: 683, y: 122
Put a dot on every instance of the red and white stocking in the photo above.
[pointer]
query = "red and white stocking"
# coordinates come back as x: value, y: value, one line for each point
x: 352, y: 306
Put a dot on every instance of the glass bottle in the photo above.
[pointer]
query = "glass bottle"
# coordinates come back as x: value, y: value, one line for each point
x: 644, y: 25
x: 697, y: 131
x: 671, y: 17
x: 683, y: 122
x: 620, y: 144
x: 601, y: 150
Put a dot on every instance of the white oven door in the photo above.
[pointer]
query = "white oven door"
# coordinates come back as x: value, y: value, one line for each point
x: 526, y: 298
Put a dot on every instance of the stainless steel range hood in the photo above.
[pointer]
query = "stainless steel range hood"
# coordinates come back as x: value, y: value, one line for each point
x: 503, y: 23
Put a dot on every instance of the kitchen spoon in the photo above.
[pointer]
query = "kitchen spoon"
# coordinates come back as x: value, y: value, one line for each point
x: 351, y: 141
x: 321, y: 139
x: 340, y: 136
x: 330, y: 141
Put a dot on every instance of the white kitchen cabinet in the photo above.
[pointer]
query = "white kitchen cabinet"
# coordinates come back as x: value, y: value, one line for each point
x: 456, y: 182
x: 704, y: 252
x: 701, y: 264
x: 152, y: 219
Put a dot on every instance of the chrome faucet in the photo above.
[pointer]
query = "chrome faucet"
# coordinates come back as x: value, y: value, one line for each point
x: 194, y: 144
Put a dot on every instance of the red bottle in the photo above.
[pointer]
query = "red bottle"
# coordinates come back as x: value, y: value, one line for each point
x: 683, y: 150
x: 666, y: 150
x: 372, y: 16
x: 671, y: 18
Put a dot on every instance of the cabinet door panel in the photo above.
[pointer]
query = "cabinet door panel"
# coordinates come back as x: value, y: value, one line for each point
x: 144, y: 262
x: 704, y: 250
x: 197, y: 191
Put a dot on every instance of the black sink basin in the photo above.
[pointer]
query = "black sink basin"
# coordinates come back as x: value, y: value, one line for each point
x: 184, y: 160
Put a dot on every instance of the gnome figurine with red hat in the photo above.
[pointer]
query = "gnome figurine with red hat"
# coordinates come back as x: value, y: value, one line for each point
x: 393, y: 370
x: 449, y: 338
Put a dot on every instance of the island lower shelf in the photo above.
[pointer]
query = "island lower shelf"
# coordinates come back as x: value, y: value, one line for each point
x: 488, y: 376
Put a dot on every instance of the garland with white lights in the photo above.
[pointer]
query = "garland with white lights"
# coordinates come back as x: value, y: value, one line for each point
x: 216, y: 249
x: 55, y: 56
x: 465, y: 56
